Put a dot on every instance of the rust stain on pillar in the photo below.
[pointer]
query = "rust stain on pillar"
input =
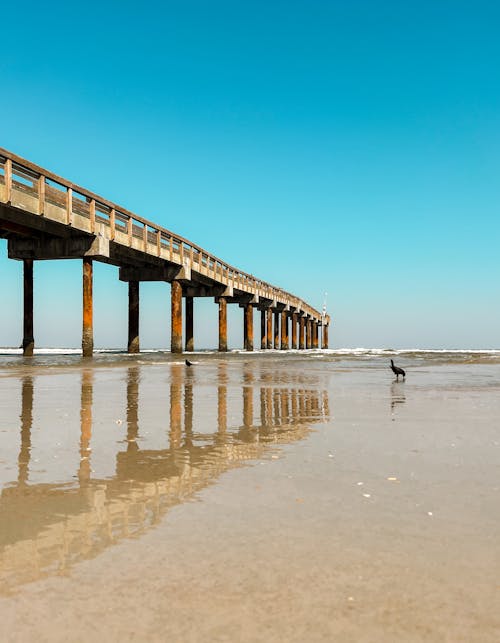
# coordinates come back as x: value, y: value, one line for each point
x: 133, y: 316
x: 325, y: 336
x: 189, y: 324
x: 301, y: 332
x: 28, y: 340
x: 276, y: 329
x: 176, y: 317
x: 284, y: 331
x: 315, y: 334
x: 263, y: 330
x: 248, y: 327
x: 294, y: 330
x: 308, y: 333
x: 222, y: 325
x: 269, y: 328
x: 88, y: 309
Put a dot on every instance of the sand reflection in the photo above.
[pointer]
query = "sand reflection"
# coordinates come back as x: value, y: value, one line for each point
x: 210, y: 426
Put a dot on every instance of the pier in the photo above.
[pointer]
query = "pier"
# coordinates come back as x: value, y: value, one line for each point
x: 44, y: 216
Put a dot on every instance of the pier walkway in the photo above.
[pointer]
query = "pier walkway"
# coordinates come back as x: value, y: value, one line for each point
x: 44, y: 216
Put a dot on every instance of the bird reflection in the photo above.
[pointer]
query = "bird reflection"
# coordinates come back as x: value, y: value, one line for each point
x: 397, y: 397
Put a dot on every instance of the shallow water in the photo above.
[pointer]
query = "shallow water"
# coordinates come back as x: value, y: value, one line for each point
x: 360, y: 496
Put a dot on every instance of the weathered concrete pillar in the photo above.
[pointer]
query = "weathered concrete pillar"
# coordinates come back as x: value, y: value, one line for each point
x: 325, y: 336
x: 248, y: 327
x: 269, y: 328
x: 294, y: 330
x: 284, y: 331
x: 263, y: 330
x: 88, y: 309
x: 28, y: 340
x: 276, y: 329
x: 222, y: 325
x: 176, y: 317
x: 315, y: 334
x: 302, y: 324
x: 189, y: 324
x: 133, y: 316
x: 309, y: 333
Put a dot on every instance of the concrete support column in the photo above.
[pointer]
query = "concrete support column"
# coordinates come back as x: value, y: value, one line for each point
x: 189, y: 325
x: 284, y: 331
x: 276, y: 329
x: 248, y: 327
x: 325, y: 336
x: 294, y: 330
x: 133, y: 317
x: 222, y: 325
x: 176, y: 317
x: 302, y: 323
x: 88, y: 309
x: 315, y: 328
x: 269, y: 328
x: 263, y: 330
x: 28, y: 340
x: 308, y: 333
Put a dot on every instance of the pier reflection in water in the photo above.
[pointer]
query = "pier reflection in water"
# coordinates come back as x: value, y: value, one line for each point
x: 210, y: 420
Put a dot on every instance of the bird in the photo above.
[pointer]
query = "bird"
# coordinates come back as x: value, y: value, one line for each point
x: 397, y: 371
x: 188, y: 363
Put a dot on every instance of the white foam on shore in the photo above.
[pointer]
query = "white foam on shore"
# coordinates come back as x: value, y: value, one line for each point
x: 318, y: 351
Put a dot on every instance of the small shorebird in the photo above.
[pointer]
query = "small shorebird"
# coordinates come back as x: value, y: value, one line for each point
x: 397, y: 371
x: 188, y: 363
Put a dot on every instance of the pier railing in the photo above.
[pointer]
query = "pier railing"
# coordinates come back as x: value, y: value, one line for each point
x: 38, y: 191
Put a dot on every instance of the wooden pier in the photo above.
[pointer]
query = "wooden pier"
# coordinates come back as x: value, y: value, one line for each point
x: 44, y: 216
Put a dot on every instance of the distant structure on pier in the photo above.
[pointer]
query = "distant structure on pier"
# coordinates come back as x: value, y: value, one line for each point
x: 44, y: 216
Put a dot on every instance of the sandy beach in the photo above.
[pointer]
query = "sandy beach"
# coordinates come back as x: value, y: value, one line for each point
x: 251, y: 497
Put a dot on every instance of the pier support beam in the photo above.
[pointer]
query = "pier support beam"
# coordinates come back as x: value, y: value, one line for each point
x: 189, y: 325
x: 294, y: 330
x: 222, y: 325
x: 276, y: 329
x: 309, y: 333
x: 28, y: 340
x: 315, y: 328
x: 133, y: 317
x: 176, y: 317
x: 325, y: 336
x: 248, y: 327
x: 88, y: 309
x: 269, y: 328
x: 284, y: 331
x: 263, y: 329
x: 302, y: 322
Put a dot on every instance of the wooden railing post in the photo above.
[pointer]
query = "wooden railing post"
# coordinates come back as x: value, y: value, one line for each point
x: 112, y: 224
x: 69, y: 206
x: 8, y: 180
x: 130, y: 223
x: 92, y: 215
x: 41, y: 195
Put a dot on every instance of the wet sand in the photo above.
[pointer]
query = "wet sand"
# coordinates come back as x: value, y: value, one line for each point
x: 250, y: 498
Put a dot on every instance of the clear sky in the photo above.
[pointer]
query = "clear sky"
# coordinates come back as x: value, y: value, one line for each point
x: 349, y: 147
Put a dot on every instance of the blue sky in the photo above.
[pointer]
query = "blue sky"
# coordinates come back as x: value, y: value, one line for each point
x: 343, y: 147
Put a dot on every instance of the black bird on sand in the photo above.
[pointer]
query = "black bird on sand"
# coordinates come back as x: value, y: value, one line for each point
x: 188, y: 363
x: 397, y: 371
